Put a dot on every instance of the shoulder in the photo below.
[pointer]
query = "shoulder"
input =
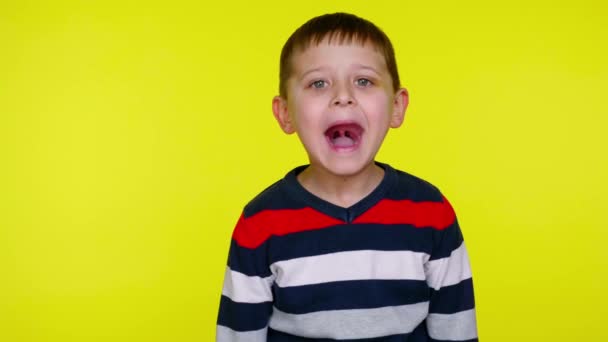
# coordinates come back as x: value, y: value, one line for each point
x: 412, y: 195
x: 269, y: 198
x: 277, y: 196
x: 416, y: 189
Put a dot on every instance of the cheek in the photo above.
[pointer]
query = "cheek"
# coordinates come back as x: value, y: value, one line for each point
x: 309, y: 113
x: 377, y: 106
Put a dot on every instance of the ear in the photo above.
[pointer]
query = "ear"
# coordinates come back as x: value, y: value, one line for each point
x: 279, y: 109
x: 400, y: 103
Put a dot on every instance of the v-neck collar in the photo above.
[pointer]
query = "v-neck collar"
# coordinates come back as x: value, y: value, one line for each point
x: 345, y: 214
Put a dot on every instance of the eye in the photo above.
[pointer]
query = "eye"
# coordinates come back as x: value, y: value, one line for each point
x: 364, y: 82
x: 318, y: 84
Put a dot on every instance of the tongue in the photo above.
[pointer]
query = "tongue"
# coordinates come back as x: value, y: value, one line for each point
x: 343, y: 141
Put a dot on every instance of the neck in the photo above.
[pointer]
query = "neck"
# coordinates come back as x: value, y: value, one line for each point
x: 343, y: 191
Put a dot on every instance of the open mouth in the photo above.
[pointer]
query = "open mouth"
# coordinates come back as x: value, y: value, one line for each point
x: 344, y: 136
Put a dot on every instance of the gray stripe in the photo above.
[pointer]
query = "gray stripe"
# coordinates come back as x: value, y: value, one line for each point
x: 225, y: 334
x: 450, y: 270
x: 459, y: 326
x: 351, y: 324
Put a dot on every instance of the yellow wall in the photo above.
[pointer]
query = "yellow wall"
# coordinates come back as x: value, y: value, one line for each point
x: 131, y: 135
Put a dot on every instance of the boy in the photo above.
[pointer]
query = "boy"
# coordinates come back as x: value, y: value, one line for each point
x: 345, y: 248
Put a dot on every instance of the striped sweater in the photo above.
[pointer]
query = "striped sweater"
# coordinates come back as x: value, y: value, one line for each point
x: 393, y: 267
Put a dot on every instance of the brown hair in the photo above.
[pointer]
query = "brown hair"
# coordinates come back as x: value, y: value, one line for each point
x: 340, y: 28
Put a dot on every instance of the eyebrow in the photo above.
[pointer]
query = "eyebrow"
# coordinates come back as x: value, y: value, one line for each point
x: 356, y: 66
x: 303, y: 76
x: 365, y: 67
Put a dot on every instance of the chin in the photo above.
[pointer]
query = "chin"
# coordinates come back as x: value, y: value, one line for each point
x: 345, y: 168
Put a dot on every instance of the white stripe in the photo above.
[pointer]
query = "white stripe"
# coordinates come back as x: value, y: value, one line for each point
x: 449, y: 271
x: 245, y: 289
x: 351, y: 324
x: 353, y: 265
x: 225, y: 334
x: 459, y: 326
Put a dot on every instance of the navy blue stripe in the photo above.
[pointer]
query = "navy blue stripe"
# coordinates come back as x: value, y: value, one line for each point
x: 351, y: 238
x: 418, y: 335
x: 347, y: 237
x: 243, y: 316
x: 446, y: 241
x: 252, y: 262
x: 355, y: 294
x: 452, y: 299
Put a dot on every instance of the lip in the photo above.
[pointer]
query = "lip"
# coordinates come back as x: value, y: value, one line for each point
x: 344, y: 136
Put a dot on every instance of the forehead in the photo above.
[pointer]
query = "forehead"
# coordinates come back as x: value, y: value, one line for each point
x: 337, y: 54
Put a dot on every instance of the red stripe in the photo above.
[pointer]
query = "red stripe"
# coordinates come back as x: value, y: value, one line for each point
x: 253, y: 231
x: 438, y: 215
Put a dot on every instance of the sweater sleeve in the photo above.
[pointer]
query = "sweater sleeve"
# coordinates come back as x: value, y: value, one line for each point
x: 246, y: 301
x: 448, y: 273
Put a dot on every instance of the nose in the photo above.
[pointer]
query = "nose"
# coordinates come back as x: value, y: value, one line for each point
x: 343, y: 101
x: 343, y: 96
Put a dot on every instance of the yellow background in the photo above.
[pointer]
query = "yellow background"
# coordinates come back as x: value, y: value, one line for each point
x: 132, y: 134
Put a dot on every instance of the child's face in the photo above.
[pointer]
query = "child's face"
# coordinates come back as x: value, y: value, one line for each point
x: 340, y: 102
